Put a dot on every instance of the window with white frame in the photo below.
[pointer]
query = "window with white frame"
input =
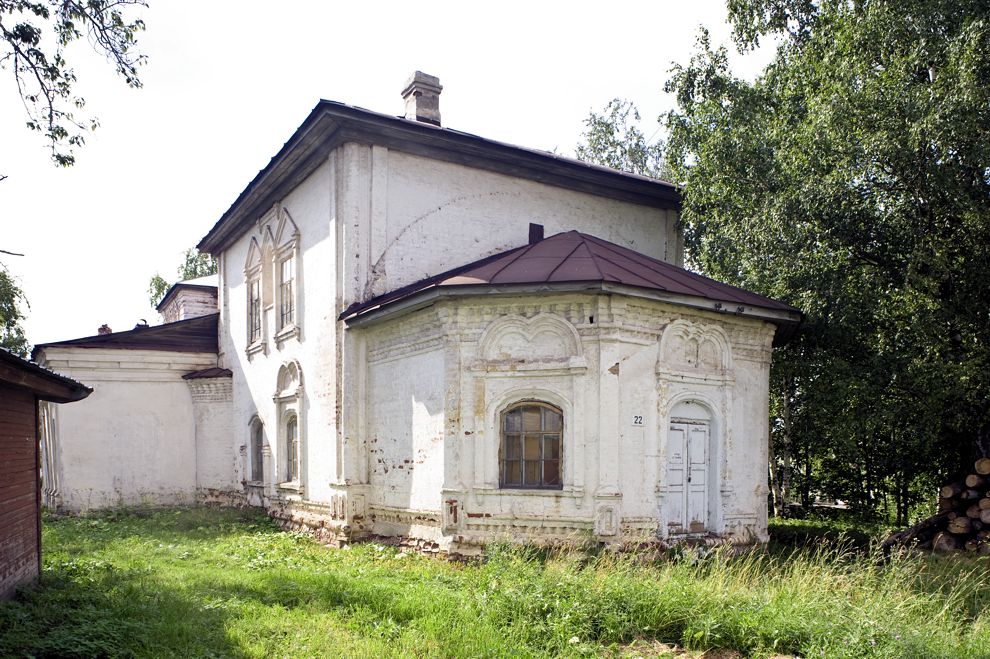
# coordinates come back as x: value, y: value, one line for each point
x: 254, y: 310
x: 286, y: 289
x: 530, y: 447
x: 290, y: 451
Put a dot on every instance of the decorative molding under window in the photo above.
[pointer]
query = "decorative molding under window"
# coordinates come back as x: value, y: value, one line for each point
x: 569, y: 492
x: 285, y: 334
x: 256, y: 347
x: 294, y: 487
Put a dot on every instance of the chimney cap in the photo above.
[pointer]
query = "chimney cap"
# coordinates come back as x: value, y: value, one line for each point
x: 423, y: 82
x: 422, y: 97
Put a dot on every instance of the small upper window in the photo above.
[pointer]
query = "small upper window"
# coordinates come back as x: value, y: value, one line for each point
x: 254, y: 311
x: 530, y: 451
x: 292, y: 449
x: 287, y: 307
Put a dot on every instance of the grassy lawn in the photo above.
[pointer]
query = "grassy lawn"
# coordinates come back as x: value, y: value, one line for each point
x: 208, y: 583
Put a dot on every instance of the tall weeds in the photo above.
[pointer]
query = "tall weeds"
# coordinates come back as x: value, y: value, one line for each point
x: 214, y: 583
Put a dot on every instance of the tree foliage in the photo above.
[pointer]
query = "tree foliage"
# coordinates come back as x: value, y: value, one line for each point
x: 194, y: 264
x: 11, y: 297
x: 614, y: 140
x: 34, y: 37
x: 852, y: 179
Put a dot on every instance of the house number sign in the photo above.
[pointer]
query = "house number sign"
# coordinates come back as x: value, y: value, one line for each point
x: 637, y: 420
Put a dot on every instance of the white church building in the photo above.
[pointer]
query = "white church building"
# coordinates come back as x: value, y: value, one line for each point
x: 419, y: 332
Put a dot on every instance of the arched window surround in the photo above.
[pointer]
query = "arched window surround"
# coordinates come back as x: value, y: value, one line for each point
x: 291, y: 444
x: 486, y: 461
x: 273, y: 285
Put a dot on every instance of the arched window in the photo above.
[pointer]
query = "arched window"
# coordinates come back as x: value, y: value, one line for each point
x: 257, y: 451
x: 292, y: 449
x: 531, y: 447
x: 291, y: 426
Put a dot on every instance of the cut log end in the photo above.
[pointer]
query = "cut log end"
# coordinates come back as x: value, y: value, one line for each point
x: 944, y: 542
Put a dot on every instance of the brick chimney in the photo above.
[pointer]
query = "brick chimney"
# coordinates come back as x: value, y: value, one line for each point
x: 422, y: 97
x: 105, y: 329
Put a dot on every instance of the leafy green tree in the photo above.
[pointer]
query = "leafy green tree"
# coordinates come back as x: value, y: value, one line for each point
x: 614, y: 140
x: 11, y: 333
x: 194, y: 264
x: 851, y: 180
x: 34, y: 37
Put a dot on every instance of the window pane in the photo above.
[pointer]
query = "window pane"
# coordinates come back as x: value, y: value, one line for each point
x: 513, y: 421
x: 531, y: 418
x: 532, y: 443
x: 551, y: 447
x: 551, y: 419
x: 512, y: 476
x: 532, y: 472
x: 511, y: 447
x: 551, y: 472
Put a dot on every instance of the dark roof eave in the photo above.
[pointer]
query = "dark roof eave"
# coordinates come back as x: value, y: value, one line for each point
x: 195, y: 335
x: 44, y: 383
x: 330, y: 124
x: 786, y: 321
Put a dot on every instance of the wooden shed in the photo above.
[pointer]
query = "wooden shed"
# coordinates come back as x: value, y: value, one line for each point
x: 22, y: 385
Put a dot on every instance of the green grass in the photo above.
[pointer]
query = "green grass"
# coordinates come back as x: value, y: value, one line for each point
x: 208, y: 583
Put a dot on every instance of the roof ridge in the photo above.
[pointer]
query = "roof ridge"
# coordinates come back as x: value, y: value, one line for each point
x: 683, y: 274
x: 522, y: 251
x: 579, y: 245
x: 673, y: 270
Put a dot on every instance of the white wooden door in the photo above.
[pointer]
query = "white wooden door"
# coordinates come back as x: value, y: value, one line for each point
x: 686, y: 487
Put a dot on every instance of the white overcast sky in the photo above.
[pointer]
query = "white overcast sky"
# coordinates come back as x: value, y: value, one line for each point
x: 226, y: 84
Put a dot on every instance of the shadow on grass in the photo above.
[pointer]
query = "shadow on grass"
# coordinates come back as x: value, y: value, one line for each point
x: 90, y: 609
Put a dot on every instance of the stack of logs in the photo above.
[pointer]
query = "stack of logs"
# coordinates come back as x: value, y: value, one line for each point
x: 963, y: 519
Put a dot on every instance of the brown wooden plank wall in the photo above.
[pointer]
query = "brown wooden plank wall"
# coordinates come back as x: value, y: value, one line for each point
x: 20, y: 547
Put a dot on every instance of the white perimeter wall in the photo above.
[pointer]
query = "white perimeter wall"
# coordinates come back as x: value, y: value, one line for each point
x: 132, y: 441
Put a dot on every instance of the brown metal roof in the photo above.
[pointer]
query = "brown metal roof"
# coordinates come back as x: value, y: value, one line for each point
x: 577, y: 258
x: 331, y: 124
x: 214, y: 372
x: 44, y: 383
x: 193, y: 335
